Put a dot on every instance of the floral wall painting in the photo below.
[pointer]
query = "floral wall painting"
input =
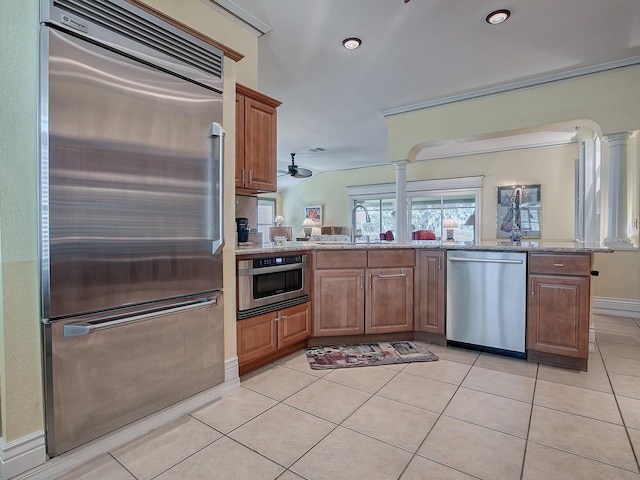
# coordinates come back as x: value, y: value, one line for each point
x: 519, y: 209
x: 314, y: 212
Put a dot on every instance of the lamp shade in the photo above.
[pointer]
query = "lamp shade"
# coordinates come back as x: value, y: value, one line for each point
x: 450, y: 222
x: 278, y: 220
x: 308, y: 222
x: 471, y: 221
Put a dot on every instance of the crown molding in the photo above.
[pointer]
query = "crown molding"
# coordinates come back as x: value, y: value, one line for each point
x: 235, y: 12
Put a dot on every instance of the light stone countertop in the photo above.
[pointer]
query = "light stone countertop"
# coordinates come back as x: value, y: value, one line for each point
x: 527, y: 246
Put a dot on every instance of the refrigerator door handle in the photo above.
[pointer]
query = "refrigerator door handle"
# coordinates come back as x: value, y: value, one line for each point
x: 217, y: 134
x: 85, y: 328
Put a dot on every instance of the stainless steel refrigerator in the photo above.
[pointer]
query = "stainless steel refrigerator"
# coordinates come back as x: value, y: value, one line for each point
x: 131, y: 217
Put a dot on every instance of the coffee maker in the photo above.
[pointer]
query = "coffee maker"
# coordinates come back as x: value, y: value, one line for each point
x: 242, y: 227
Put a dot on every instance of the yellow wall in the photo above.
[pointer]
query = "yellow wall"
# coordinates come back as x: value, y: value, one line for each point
x: 552, y: 167
x: 609, y: 102
x: 21, y: 400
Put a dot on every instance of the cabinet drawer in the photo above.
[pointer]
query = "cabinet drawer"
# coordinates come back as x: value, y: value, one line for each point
x: 341, y: 259
x: 560, y: 264
x: 392, y: 258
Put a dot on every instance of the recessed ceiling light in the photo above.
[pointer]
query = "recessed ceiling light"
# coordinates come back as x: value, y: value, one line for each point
x: 497, y: 17
x: 351, y: 43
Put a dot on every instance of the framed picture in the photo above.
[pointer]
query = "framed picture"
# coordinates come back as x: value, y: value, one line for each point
x: 314, y: 212
x: 519, y: 204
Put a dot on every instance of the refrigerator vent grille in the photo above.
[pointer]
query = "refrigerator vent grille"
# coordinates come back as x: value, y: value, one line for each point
x: 128, y: 24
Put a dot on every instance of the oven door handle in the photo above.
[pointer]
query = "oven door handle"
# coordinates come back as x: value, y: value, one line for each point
x: 277, y: 268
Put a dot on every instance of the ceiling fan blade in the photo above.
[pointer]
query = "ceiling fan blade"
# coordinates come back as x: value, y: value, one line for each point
x: 302, y: 173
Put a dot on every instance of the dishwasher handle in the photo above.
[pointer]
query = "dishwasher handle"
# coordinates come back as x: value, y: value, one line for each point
x: 485, y: 260
x: 85, y: 328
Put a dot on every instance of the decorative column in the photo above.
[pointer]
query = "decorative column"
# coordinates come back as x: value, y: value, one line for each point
x: 617, y: 195
x: 402, y: 236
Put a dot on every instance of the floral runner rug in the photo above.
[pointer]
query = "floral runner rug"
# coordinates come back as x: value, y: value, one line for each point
x: 368, y: 354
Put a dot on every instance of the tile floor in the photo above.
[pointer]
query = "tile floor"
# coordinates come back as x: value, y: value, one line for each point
x: 466, y: 416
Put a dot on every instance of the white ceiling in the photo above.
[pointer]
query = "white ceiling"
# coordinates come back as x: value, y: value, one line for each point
x: 417, y: 54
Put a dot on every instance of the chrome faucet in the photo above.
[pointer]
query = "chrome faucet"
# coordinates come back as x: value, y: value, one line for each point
x: 353, y: 219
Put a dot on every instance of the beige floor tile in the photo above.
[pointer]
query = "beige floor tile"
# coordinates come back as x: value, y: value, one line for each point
x: 503, y: 363
x: 399, y: 424
x: 103, y: 468
x: 617, y: 338
x: 418, y: 391
x: 347, y: 454
x: 608, y: 327
x: 443, y: 370
x: 492, y: 411
x: 600, y: 441
x: 423, y: 469
x: 630, y: 408
x: 509, y: 385
x: 367, y: 379
x: 460, y: 355
x: 594, y: 379
x: 160, y: 449
x: 620, y: 350
x: 224, y: 459
x: 278, y: 382
x: 282, y: 434
x: 290, y: 476
x: 234, y: 409
x: 634, y: 435
x: 625, y: 385
x: 300, y: 363
x: 626, y: 366
x: 604, y: 320
x: 473, y: 449
x: 328, y: 400
x: 581, y: 401
x: 544, y: 463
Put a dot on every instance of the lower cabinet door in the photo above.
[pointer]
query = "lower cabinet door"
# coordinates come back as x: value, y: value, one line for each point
x: 338, y: 302
x: 429, y: 293
x: 559, y: 315
x: 257, y: 336
x: 389, y: 300
x: 294, y: 324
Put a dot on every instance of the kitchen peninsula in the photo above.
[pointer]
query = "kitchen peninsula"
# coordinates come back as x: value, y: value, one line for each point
x: 389, y: 291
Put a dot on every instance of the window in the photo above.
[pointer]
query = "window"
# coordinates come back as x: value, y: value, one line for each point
x: 266, y: 214
x: 429, y: 203
x: 428, y: 212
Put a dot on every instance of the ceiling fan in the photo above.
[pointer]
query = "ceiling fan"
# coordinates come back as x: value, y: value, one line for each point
x: 298, y: 172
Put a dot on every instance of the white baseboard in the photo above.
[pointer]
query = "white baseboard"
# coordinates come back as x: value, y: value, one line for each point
x: 22, y: 454
x: 38, y: 468
x: 616, y: 307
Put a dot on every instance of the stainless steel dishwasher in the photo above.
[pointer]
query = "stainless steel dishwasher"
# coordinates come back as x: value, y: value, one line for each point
x: 486, y: 300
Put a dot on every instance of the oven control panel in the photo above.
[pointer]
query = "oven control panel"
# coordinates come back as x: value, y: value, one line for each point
x: 274, y: 261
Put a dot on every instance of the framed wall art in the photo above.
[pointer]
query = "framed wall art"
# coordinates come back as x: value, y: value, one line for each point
x: 519, y: 205
x: 314, y: 212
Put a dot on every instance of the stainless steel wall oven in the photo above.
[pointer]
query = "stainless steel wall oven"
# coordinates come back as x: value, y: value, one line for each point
x: 267, y: 284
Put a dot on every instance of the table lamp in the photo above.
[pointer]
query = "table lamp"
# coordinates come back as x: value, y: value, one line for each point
x: 278, y: 220
x: 449, y: 223
x: 307, y: 224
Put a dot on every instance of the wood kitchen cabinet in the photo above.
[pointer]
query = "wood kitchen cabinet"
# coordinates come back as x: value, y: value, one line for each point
x: 358, y: 292
x: 430, y: 287
x: 264, y: 338
x: 559, y: 308
x: 256, y: 141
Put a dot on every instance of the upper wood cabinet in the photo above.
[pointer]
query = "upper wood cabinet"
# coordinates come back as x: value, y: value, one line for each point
x: 256, y: 141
